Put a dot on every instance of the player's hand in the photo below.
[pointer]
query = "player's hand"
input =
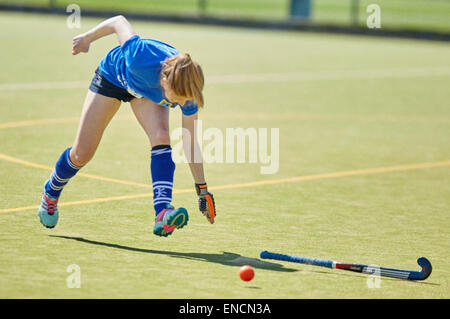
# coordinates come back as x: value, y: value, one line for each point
x: 206, y: 202
x: 80, y: 44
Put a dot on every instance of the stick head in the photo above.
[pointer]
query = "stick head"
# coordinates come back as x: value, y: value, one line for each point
x: 424, y: 273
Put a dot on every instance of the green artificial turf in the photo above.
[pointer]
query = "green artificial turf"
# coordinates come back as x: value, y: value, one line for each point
x: 341, y: 104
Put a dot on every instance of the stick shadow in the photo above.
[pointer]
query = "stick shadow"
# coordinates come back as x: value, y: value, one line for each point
x: 225, y: 258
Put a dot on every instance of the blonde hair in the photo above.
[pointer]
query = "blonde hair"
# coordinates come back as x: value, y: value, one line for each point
x: 184, y: 77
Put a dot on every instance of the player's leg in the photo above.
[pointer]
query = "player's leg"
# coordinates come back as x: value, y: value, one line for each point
x: 154, y: 119
x: 97, y: 112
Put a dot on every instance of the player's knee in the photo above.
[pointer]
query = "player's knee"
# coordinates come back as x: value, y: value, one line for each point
x: 80, y: 157
x: 161, y: 137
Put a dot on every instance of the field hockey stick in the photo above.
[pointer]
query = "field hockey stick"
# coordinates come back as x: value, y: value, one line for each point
x: 366, y: 269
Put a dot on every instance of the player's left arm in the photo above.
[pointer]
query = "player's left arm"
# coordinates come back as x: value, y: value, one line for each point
x: 193, y: 154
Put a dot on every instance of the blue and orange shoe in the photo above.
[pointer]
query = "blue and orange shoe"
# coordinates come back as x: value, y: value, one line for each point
x: 170, y: 219
x: 48, y: 211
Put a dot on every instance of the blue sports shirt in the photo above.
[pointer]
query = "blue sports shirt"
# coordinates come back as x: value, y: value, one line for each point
x: 136, y: 67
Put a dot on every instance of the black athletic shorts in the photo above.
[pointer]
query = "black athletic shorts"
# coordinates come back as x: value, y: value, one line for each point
x: 102, y: 86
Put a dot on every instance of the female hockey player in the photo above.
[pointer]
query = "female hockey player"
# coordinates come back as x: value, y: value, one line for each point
x: 154, y: 77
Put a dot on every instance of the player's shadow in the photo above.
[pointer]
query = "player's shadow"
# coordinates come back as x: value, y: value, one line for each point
x: 225, y: 258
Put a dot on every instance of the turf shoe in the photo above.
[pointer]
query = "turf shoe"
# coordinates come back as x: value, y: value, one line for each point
x: 48, y: 211
x: 170, y: 219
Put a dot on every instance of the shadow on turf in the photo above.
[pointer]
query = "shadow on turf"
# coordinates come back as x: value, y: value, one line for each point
x: 226, y: 258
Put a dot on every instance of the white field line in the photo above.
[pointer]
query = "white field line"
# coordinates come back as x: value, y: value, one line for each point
x: 329, y: 75
x: 262, y: 77
x: 43, y: 85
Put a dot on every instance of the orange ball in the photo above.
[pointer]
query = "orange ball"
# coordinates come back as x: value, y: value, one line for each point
x: 246, y: 273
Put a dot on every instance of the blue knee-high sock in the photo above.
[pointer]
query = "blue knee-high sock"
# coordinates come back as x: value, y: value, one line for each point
x: 64, y: 170
x: 162, y: 168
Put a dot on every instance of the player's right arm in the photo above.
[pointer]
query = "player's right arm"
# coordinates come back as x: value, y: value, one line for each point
x: 118, y: 25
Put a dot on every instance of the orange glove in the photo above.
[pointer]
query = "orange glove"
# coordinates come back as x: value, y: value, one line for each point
x: 206, y: 202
